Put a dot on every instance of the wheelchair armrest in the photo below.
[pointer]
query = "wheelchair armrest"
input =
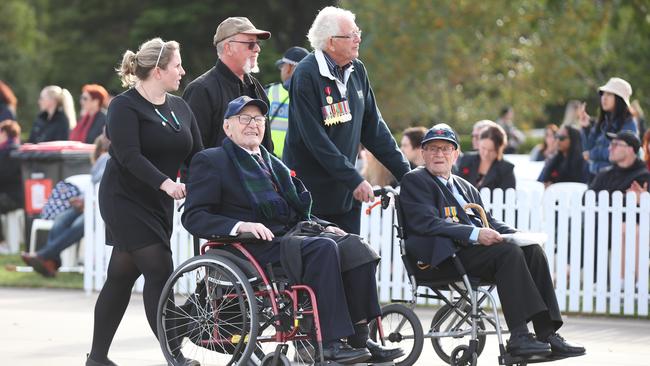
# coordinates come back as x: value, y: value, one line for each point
x: 239, y: 238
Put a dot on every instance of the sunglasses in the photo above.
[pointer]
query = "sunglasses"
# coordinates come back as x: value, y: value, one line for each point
x: 561, y: 137
x: 251, y: 44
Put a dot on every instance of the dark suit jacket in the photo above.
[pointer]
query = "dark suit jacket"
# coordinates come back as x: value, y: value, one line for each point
x: 500, y: 175
x: 216, y: 199
x: 430, y: 238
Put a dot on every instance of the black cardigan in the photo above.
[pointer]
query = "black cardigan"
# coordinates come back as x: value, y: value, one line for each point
x: 56, y: 128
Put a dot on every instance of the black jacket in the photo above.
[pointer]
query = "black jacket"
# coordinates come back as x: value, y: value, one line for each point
x: 430, y: 238
x: 501, y: 173
x: 615, y: 178
x: 56, y: 128
x: 323, y: 156
x: 209, y: 95
x: 560, y: 168
x: 97, y: 127
x: 216, y: 199
x: 11, y: 181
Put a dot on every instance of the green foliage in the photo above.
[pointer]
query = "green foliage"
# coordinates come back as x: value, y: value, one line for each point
x: 462, y: 61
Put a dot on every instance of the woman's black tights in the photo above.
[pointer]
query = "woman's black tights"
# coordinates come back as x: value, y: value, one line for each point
x: 124, y: 268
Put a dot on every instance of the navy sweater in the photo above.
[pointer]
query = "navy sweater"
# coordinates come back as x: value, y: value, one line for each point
x: 323, y: 156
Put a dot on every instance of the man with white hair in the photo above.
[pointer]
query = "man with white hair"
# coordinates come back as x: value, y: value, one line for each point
x: 332, y: 111
x: 238, y: 45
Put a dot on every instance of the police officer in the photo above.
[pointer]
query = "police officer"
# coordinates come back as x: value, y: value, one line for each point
x: 278, y: 94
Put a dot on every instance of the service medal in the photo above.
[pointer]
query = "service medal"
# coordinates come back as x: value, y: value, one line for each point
x: 329, y: 99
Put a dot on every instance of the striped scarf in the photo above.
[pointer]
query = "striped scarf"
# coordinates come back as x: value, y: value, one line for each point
x: 267, y: 203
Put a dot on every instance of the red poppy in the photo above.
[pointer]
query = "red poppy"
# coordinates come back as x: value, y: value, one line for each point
x: 465, y: 171
x: 555, y: 174
x: 292, y: 173
x: 328, y: 90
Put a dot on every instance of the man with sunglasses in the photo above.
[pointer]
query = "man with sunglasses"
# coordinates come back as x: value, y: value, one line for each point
x: 238, y: 47
x: 627, y: 172
x: 438, y: 226
x: 332, y: 112
x: 240, y: 188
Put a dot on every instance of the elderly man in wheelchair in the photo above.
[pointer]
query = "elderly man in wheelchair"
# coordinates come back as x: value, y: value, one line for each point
x: 240, y: 189
x: 441, y: 225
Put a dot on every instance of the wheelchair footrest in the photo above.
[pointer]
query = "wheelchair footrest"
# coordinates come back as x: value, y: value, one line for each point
x: 508, y: 359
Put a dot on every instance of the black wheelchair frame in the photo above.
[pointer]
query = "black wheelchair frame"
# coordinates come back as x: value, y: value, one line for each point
x: 462, y: 313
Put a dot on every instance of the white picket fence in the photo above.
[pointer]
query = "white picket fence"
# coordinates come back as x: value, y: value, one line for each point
x: 587, y: 270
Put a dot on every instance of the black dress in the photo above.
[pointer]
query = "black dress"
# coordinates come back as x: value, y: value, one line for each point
x: 145, y: 152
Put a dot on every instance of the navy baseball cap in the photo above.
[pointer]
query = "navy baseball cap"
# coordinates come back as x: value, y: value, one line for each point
x: 292, y: 56
x: 236, y: 105
x: 441, y: 131
x: 628, y: 137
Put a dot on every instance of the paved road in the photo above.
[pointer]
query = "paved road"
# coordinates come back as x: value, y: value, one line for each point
x: 41, y: 327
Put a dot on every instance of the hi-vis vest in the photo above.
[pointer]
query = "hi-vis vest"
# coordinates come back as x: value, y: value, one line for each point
x: 278, y: 115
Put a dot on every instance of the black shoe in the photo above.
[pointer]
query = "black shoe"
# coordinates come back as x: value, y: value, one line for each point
x: 180, y: 360
x: 342, y: 353
x: 91, y: 362
x: 561, y: 347
x: 526, y: 345
x: 382, y: 354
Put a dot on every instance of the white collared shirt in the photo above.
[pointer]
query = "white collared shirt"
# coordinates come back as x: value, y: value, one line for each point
x: 325, y: 72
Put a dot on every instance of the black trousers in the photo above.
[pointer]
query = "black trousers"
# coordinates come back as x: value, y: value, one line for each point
x: 349, y: 222
x: 523, y: 281
x: 343, y: 298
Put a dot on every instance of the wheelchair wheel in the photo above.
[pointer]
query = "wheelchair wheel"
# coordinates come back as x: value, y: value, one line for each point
x: 301, y: 351
x: 459, y: 357
x: 402, y: 328
x: 447, y: 320
x: 281, y: 361
x: 208, y: 312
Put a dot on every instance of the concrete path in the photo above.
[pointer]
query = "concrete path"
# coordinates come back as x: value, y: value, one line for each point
x: 40, y: 327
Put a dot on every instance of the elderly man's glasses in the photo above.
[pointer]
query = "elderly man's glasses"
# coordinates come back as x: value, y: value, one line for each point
x: 351, y: 35
x: 245, y: 120
x: 446, y: 150
x: 251, y: 44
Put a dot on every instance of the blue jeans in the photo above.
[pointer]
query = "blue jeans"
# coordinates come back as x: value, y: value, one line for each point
x: 68, y: 229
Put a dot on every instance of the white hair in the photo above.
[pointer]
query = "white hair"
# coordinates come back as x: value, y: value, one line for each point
x: 327, y: 25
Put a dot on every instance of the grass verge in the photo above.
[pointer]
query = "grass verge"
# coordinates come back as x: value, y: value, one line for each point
x: 11, y: 278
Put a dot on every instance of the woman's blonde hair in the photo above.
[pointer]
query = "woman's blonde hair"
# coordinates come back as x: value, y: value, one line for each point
x: 64, y: 102
x: 138, y: 66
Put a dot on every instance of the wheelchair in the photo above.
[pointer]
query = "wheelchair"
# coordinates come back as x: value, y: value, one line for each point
x: 223, y: 308
x: 462, y: 314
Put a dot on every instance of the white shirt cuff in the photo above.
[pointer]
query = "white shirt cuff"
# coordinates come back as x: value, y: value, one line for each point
x: 233, y: 232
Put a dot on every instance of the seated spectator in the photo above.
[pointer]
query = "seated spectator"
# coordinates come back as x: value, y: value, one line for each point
x: 68, y: 227
x: 477, y: 129
x: 627, y: 172
x: 11, y: 182
x: 56, y: 116
x: 93, y: 99
x: 375, y: 172
x: 548, y: 147
x: 487, y: 168
x: 646, y: 148
x: 8, y: 102
x: 438, y: 226
x: 567, y: 165
x: 614, y: 117
x: 410, y: 145
x: 241, y: 188
x: 514, y: 135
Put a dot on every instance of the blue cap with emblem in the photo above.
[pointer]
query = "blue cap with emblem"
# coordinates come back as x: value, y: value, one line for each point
x: 236, y: 105
x: 441, y: 131
x: 292, y: 56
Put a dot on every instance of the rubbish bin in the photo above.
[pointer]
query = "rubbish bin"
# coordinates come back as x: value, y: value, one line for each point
x: 45, y: 164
